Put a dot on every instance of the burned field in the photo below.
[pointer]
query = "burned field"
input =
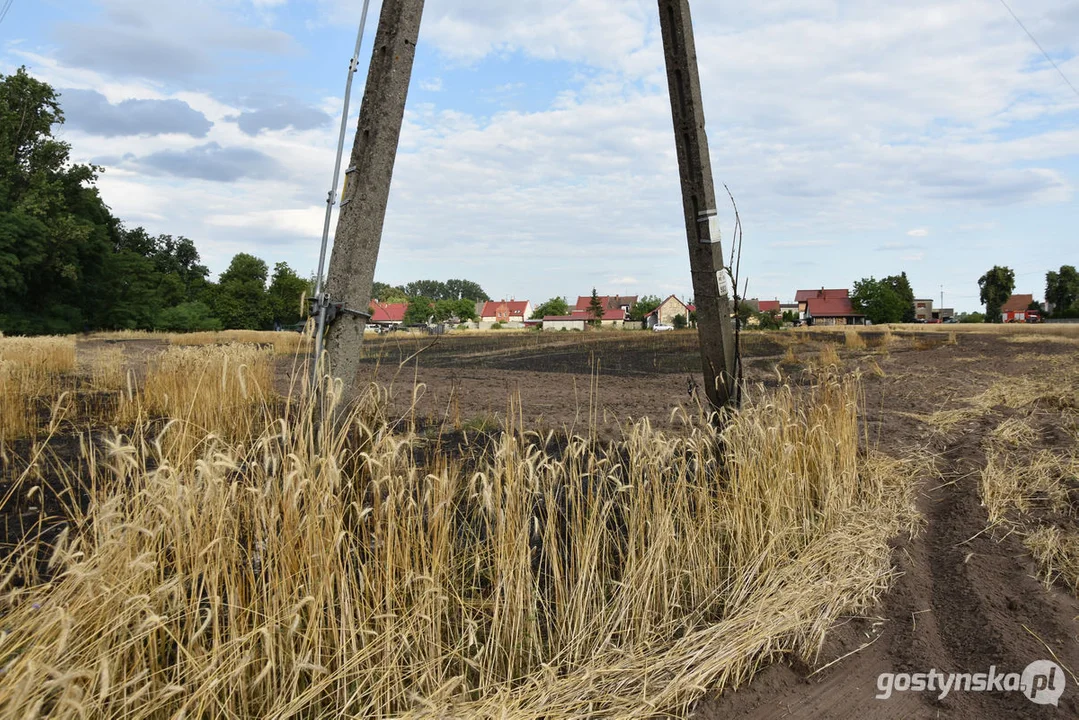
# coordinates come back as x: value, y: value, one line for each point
x: 529, y: 525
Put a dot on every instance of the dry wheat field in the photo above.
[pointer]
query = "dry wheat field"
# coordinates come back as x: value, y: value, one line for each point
x: 524, y: 526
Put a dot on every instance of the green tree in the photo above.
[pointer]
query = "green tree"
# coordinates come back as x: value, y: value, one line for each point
x: 1062, y: 291
x: 240, y: 297
x: 420, y: 310
x: 769, y: 320
x: 388, y: 293
x: 744, y: 312
x: 974, y: 317
x: 556, y: 306
x: 996, y: 286
x: 879, y: 301
x: 430, y: 289
x: 187, y: 317
x: 680, y: 322
x: 644, y: 307
x: 901, y: 285
x: 466, y: 290
x: 285, y: 295
x: 595, y: 309
x: 55, y: 232
x: 465, y: 310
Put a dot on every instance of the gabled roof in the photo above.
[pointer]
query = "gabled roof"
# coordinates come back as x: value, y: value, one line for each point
x: 689, y: 308
x: 388, y: 312
x: 1017, y: 303
x: 611, y: 302
x: 515, y: 308
x: 768, y: 305
x: 608, y: 315
x: 831, y: 307
x: 822, y: 294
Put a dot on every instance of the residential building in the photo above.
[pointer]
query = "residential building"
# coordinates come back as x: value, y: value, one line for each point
x: 564, y: 322
x: 769, y: 306
x: 923, y: 310
x: 1017, y: 309
x: 828, y: 300
x: 609, y: 302
x: 611, y: 317
x: 802, y: 297
x: 832, y: 310
x: 387, y: 315
x: 667, y: 311
x: 506, y: 311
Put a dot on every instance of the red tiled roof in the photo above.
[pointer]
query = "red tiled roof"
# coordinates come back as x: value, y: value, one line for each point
x: 822, y: 294
x: 611, y: 302
x: 769, y: 305
x: 388, y: 312
x: 831, y: 307
x: 515, y: 308
x: 1017, y: 303
x: 608, y: 315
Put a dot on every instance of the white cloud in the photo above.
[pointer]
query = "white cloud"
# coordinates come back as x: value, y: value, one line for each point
x: 841, y: 125
x: 802, y: 243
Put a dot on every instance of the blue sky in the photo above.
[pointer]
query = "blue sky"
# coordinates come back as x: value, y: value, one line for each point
x: 859, y: 137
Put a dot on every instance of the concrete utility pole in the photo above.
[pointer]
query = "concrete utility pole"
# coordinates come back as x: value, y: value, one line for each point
x: 363, y: 204
x: 711, y: 287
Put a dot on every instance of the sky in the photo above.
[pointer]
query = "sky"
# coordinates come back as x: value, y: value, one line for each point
x: 859, y: 137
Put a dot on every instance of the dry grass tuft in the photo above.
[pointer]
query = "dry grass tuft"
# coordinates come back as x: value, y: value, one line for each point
x: 325, y: 569
x: 854, y: 340
x: 829, y: 357
x: 223, y: 391
x: 1057, y: 553
x: 1011, y: 481
x: 32, y: 370
x: 108, y: 369
x: 283, y: 343
x: 876, y: 369
x: 790, y: 358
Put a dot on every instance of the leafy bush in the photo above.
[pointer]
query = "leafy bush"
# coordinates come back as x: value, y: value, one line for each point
x: 187, y: 317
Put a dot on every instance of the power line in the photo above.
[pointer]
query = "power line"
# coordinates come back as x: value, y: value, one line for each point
x: 7, y: 6
x: 1035, y: 40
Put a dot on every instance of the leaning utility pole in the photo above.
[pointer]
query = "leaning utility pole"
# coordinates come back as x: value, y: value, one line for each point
x: 711, y: 288
x: 367, y: 186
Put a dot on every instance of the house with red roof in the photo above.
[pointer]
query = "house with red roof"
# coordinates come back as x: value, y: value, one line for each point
x: 1017, y: 309
x: 609, y: 302
x: 611, y: 317
x: 828, y: 307
x: 768, y: 306
x: 803, y: 296
x: 387, y: 315
x: 506, y: 311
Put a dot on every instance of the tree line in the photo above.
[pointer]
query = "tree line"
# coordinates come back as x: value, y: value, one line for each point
x: 891, y: 299
x: 68, y: 265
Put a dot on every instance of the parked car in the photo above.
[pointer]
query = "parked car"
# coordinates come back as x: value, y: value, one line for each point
x: 662, y: 328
